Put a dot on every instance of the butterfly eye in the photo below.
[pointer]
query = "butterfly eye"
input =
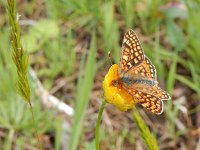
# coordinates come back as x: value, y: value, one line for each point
x: 115, y: 83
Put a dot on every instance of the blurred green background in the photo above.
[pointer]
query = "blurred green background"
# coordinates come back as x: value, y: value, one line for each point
x: 68, y: 41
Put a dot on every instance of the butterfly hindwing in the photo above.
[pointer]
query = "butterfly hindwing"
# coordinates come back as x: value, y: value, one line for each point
x: 150, y: 89
x: 148, y: 101
x: 151, y: 103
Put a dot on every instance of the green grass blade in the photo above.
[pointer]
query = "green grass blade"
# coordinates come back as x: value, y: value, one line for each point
x: 83, y: 93
x: 187, y: 82
x: 58, y: 135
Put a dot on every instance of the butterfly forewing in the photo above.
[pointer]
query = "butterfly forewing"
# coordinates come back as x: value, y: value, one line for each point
x: 132, y: 52
x: 145, y: 70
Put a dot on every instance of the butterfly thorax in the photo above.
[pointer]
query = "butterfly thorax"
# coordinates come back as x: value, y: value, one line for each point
x: 131, y: 81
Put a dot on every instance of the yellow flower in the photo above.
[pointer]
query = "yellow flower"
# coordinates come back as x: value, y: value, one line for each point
x: 114, y: 94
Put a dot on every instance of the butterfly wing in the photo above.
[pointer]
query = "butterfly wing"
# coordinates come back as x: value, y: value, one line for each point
x: 153, y: 90
x: 145, y: 70
x: 133, y: 61
x: 148, y: 89
x: 148, y: 101
x: 138, y: 75
x: 131, y: 54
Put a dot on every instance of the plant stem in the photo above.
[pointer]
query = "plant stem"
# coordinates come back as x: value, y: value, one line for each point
x: 148, y: 138
x: 98, y: 124
x: 36, y: 132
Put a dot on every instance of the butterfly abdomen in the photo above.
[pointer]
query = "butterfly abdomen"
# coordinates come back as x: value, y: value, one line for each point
x: 129, y: 81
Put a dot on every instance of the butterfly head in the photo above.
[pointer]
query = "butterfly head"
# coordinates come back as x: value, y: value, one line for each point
x: 115, y: 83
x: 113, y: 75
x: 114, y: 79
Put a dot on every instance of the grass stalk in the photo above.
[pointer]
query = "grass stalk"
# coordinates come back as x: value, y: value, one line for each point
x: 20, y: 59
x: 98, y: 124
x: 35, y: 129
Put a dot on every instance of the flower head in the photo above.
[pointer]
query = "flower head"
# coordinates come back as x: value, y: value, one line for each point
x: 116, y: 95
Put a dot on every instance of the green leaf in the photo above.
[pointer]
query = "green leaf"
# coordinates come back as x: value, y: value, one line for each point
x: 175, y: 35
x: 173, y: 12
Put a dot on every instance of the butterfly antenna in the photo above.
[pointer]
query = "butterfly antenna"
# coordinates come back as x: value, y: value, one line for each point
x: 109, y: 57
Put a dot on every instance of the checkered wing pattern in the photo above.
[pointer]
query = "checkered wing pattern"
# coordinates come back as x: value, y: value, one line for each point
x: 153, y: 90
x: 145, y: 70
x: 132, y: 53
x: 148, y: 101
x: 140, y: 74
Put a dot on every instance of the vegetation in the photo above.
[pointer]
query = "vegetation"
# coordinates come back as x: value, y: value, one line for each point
x: 67, y: 43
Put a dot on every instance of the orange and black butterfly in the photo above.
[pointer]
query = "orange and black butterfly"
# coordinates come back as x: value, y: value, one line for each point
x: 138, y: 75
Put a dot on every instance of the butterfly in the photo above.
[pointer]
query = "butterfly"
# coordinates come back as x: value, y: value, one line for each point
x: 137, y: 75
